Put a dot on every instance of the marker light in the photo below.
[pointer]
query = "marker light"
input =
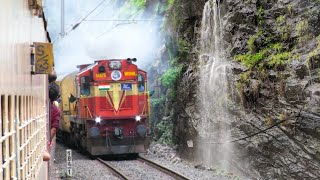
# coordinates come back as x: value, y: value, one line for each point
x: 98, y: 119
x: 138, y: 118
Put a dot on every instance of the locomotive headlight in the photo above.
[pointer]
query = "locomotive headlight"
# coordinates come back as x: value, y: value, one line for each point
x: 138, y: 118
x: 98, y: 119
x: 115, y: 65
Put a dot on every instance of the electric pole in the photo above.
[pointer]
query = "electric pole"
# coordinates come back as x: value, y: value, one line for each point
x: 62, y: 19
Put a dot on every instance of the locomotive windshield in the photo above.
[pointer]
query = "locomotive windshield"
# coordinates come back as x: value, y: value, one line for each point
x: 140, y: 82
x: 85, y: 86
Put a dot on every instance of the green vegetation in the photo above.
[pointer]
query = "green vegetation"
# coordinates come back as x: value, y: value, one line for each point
x: 290, y: 9
x: 165, y: 129
x: 277, y: 47
x: 251, y: 45
x: 168, y: 79
x: 269, y: 121
x: 280, y: 19
x: 183, y: 46
x: 177, y: 22
x: 170, y: 76
x: 267, y: 49
x: 279, y: 59
x: 260, y: 15
x: 250, y: 60
x: 244, y: 77
x: 315, y: 52
x: 157, y: 102
x: 133, y: 8
x: 141, y: 4
x: 283, y: 28
x: 170, y: 3
x: 302, y: 29
x: 274, y: 56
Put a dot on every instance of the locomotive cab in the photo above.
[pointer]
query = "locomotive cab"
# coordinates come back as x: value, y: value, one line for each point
x: 112, y: 108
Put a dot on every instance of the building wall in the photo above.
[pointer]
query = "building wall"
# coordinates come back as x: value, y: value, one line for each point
x: 23, y: 107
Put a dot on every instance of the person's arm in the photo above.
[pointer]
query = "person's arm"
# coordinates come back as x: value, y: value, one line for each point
x: 53, y: 132
x: 56, y: 115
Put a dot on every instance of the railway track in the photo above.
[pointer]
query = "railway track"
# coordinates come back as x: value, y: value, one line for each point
x: 118, y: 172
x: 113, y: 170
x: 162, y: 168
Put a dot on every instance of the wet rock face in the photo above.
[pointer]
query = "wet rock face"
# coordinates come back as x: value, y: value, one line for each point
x: 240, y: 22
x: 290, y: 150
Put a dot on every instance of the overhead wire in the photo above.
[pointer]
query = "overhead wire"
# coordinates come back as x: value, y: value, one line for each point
x: 127, y: 21
x: 134, y: 20
x: 77, y: 24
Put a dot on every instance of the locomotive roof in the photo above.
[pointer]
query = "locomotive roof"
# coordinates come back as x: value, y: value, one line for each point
x: 88, y: 68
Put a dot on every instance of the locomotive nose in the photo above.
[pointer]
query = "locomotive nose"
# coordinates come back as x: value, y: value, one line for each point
x: 141, y: 130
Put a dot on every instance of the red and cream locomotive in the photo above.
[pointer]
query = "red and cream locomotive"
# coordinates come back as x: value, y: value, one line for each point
x: 106, y: 108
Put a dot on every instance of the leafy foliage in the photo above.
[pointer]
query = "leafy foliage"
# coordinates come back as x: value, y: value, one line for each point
x: 280, y: 19
x: 244, y: 77
x: 260, y: 15
x: 277, y: 47
x: 279, y: 59
x: 283, y: 28
x: 170, y: 3
x: 251, y: 45
x: 170, y: 76
x: 290, y: 9
x: 157, y: 102
x: 141, y: 4
x: 316, y: 51
x: 165, y: 129
x: 302, y: 29
x: 183, y: 46
x: 250, y: 60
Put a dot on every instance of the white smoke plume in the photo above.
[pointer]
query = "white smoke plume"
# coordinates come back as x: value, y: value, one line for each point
x: 112, y: 38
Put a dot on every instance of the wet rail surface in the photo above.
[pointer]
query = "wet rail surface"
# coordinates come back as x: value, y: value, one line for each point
x: 139, y: 164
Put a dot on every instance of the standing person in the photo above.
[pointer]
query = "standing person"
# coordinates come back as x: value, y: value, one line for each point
x: 55, y: 116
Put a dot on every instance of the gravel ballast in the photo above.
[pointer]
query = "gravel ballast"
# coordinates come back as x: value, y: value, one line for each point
x: 87, y: 169
x: 83, y: 168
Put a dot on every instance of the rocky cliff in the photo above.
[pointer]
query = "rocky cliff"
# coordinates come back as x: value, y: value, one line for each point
x: 273, y: 47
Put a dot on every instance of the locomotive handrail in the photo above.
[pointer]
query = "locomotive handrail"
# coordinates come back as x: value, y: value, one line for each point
x: 89, y: 111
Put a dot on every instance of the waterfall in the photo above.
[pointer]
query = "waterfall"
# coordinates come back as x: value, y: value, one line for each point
x: 214, y: 127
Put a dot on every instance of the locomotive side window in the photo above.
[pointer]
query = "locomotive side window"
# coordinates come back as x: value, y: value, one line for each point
x: 85, y: 86
x: 141, y: 82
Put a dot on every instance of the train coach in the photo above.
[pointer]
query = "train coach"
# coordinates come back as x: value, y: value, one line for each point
x: 106, y: 108
x: 24, y: 50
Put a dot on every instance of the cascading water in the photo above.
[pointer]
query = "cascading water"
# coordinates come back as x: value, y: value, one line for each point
x: 214, y: 128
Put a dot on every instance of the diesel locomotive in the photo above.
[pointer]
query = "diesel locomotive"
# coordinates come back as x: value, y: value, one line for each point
x: 106, y: 108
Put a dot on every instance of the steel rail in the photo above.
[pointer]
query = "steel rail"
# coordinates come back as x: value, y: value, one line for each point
x: 113, y: 170
x: 162, y: 168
